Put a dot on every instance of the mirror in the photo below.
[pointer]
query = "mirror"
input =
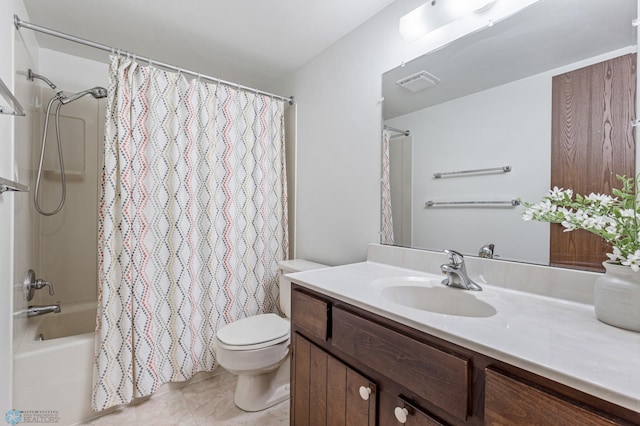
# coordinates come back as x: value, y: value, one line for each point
x: 487, y: 104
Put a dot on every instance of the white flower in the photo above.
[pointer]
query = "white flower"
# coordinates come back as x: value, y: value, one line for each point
x: 596, y: 222
x: 616, y: 255
x: 558, y: 194
x: 633, y: 261
x: 528, y: 214
x: 580, y: 216
x: 612, y: 218
x: 546, y: 207
x: 603, y: 199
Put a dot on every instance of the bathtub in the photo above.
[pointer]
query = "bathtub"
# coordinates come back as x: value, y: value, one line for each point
x: 54, y: 375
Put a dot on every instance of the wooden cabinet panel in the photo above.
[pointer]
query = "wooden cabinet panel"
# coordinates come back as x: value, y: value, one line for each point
x: 326, y: 391
x: 337, y: 390
x: 437, y: 376
x: 317, y: 386
x: 310, y: 313
x: 300, y: 383
x: 510, y: 402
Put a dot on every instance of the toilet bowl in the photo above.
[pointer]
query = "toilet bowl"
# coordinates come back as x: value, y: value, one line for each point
x: 257, y: 348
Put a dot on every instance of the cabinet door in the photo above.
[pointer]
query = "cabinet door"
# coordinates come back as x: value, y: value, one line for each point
x: 511, y: 402
x: 396, y: 411
x: 328, y: 392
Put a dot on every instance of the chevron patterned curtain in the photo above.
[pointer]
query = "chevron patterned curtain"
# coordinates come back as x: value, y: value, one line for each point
x: 192, y: 223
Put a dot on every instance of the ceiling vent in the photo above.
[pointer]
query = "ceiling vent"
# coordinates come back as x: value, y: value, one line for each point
x: 418, y: 81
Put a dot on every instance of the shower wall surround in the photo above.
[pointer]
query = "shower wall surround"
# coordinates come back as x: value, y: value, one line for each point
x: 68, y: 240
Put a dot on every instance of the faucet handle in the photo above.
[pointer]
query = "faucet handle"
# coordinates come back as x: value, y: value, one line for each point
x: 486, y: 250
x: 455, y: 258
x: 42, y: 283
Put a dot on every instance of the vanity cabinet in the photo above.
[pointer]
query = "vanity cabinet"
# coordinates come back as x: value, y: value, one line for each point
x: 413, y: 378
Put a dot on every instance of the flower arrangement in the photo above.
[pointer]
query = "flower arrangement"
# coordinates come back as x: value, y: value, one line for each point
x: 614, y: 218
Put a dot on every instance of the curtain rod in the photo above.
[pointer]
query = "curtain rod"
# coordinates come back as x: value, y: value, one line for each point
x: 19, y: 23
x: 393, y: 129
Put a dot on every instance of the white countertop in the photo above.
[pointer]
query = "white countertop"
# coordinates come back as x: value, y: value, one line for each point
x: 555, y: 338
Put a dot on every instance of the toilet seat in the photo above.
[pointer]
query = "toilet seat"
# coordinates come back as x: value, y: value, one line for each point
x: 254, y: 332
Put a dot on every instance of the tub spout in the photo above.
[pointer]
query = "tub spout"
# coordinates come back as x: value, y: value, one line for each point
x: 33, y: 311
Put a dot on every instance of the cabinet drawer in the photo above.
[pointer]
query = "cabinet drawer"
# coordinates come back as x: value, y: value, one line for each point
x: 511, y: 402
x: 434, y: 375
x: 310, y: 313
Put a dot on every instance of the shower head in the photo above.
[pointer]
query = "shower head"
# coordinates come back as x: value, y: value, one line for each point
x: 96, y: 92
x: 32, y: 75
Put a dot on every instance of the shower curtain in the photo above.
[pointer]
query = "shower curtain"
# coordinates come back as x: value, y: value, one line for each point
x: 387, y: 219
x: 192, y: 222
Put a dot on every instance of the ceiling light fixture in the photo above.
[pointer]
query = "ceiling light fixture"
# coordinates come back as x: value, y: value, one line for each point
x: 437, y: 13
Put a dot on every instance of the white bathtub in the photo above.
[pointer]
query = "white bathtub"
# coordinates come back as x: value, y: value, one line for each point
x: 56, y: 374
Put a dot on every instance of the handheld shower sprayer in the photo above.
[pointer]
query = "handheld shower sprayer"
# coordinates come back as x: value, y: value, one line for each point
x: 97, y: 93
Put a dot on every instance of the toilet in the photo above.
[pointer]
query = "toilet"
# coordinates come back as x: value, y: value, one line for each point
x: 257, y: 348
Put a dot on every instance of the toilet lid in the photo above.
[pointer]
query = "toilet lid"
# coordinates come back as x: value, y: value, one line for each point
x: 255, y: 330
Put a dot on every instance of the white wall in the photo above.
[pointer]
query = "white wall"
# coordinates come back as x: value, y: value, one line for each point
x: 11, y: 161
x: 339, y: 125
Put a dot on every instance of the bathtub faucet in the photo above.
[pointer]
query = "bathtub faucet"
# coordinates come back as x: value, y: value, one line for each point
x: 33, y: 311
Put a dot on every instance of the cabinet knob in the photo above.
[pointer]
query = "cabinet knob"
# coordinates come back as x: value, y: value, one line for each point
x: 364, y: 392
x: 401, y: 414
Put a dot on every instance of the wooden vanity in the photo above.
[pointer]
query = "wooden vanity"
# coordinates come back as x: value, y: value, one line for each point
x: 354, y: 367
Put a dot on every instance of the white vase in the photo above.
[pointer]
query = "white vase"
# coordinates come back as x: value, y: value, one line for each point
x: 616, y: 297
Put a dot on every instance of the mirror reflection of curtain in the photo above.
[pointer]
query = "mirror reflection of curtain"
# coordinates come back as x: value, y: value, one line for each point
x: 401, y: 182
x: 387, y: 219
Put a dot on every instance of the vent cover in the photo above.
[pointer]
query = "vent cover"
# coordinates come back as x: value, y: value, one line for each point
x: 418, y: 81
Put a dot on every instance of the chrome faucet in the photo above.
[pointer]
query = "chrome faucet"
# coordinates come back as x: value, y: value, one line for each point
x: 486, y: 251
x: 34, y: 311
x: 456, y: 273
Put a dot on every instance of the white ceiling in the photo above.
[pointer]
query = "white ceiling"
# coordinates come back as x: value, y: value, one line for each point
x: 252, y: 40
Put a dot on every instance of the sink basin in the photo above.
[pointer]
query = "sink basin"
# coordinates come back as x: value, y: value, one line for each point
x: 430, y: 295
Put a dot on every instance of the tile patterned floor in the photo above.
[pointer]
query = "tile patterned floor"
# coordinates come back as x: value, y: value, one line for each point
x: 201, y: 403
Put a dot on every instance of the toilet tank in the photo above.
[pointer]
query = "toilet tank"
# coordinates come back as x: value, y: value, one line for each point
x: 288, y: 267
